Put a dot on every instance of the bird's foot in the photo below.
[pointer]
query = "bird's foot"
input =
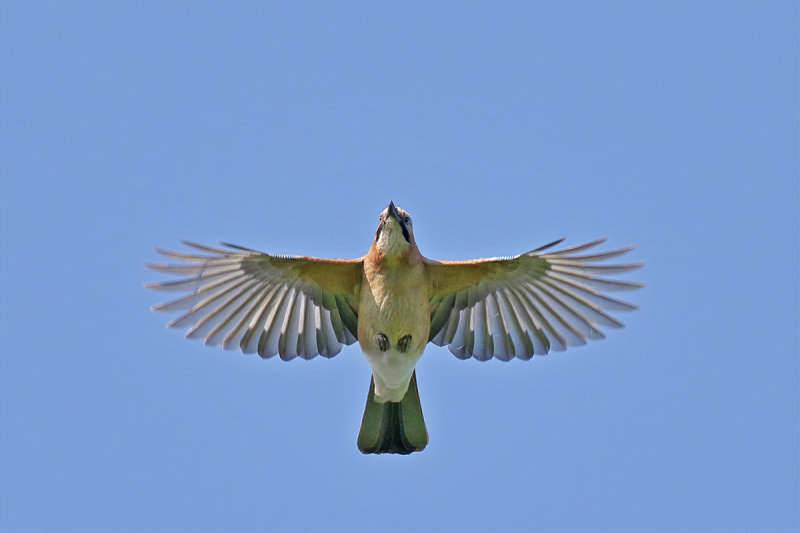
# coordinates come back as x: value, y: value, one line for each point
x: 404, y: 343
x: 382, y: 341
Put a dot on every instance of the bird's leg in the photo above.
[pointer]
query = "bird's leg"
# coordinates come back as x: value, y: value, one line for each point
x: 382, y: 341
x: 403, y: 343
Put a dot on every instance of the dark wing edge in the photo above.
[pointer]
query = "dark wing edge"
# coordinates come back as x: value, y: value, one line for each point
x: 527, y: 304
x: 241, y: 298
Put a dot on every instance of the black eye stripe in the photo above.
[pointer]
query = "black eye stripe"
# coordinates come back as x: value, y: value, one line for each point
x: 405, y: 233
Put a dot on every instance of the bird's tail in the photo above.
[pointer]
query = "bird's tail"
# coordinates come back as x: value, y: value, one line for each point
x: 393, y: 427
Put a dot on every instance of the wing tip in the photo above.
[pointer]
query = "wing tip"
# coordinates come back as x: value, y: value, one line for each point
x: 546, y: 246
x: 238, y: 247
x: 162, y: 251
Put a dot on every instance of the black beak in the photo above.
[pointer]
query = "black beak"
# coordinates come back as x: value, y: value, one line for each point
x: 393, y: 212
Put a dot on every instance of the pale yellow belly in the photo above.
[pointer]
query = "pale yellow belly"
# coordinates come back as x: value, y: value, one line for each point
x: 399, y: 311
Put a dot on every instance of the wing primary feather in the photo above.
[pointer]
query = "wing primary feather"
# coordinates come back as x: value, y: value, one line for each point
x: 309, y: 333
x: 287, y: 343
x: 237, y: 247
x: 236, y: 334
x: 578, y: 247
x: 594, y: 332
x: 539, y: 323
x: 608, y: 302
x: 302, y: 324
x: 249, y: 342
x: 221, y: 305
x: 270, y: 335
x: 598, y: 314
x: 607, y: 284
x: 497, y: 330
x: 523, y: 347
x: 200, y: 307
x: 190, y: 284
x: 573, y: 336
x: 300, y: 340
x: 507, y: 328
x: 473, y: 333
x: 545, y: 247
x: 598, y: 256
x: 541, y: 345
x: 192, y: 268
x: 204, y: 248
x: 234, y: 317
x: 188, y: 301
x: 485, y: 348
x: 319, y: 330
x: 605, y: 269
x: 555, y: 340
x: 189, y: 258
x: 219, y: 311
x: 464, y: 348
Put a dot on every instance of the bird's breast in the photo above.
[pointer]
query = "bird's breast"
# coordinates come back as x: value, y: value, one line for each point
x: 394, y: 302
x: 393, y: 325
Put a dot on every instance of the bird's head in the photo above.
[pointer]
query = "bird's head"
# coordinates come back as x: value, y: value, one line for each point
x: 394, y: 234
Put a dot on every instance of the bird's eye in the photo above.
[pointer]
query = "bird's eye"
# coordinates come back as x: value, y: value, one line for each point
x: 407, y: 219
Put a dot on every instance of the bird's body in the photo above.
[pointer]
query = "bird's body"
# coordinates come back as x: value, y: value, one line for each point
x: 393, y: 301
x: 393, y: 304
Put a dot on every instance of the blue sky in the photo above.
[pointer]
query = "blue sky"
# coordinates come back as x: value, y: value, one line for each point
x: 288, y: 126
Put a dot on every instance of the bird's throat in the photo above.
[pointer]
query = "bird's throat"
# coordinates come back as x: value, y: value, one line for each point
x: 390, y: 244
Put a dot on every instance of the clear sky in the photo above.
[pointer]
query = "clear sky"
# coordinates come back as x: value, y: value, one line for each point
x: 288, y: 126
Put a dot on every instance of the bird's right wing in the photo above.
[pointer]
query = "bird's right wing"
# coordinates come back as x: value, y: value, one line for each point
x: 237, y: 297
x: 510, y: 307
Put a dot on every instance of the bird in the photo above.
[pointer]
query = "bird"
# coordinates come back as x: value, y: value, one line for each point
x: 394, y: 301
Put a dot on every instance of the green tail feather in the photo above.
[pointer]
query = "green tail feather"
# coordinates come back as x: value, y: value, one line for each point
x: 393, y: 427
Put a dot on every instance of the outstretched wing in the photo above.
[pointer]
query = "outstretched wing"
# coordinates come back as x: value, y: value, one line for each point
x: 237, y: 297
x: 524, y: 305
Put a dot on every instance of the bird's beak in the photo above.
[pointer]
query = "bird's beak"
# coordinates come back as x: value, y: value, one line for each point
x: 393, y: 212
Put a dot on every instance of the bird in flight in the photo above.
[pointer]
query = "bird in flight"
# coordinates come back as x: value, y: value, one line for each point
x: 394, y: 301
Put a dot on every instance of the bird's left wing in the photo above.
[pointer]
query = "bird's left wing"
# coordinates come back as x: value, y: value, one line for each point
x: 287, y: 305
x: 530, y: 303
